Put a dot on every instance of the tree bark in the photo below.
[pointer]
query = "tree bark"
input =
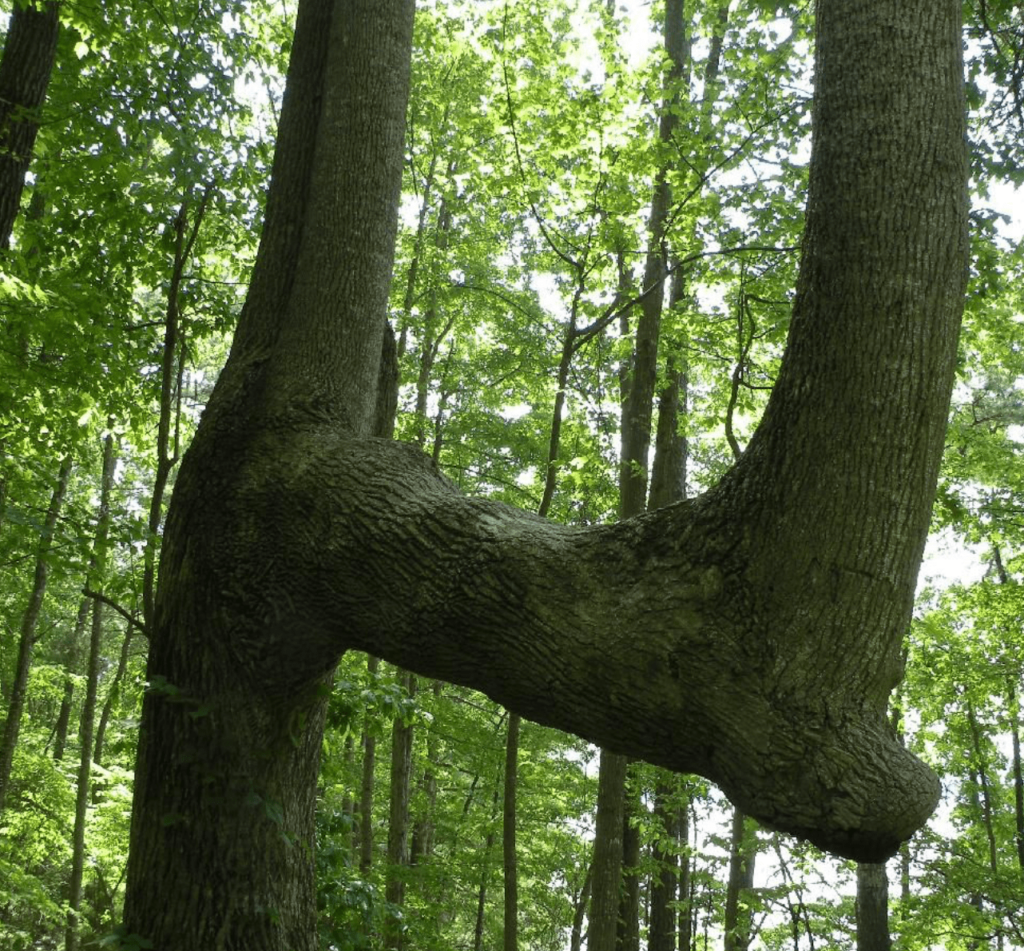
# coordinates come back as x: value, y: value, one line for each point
x: 742, y: 856
x: 872, y: 907
x: 628, y: 930
x: 366, y: 787
x: 60, y: 732
x: 664, y: 878
x: 30, y: 51
x: 607, y: 864
x: 97, y: 569
x: 510, y: 941
x: 579, y: 912
x: 27, y: 638
x: 751, y: 635
x: 398, y: 820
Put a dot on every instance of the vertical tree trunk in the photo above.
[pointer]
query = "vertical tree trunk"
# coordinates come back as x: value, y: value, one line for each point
x: 628, y: 930
x: 664, y: 877
x: 398, y: 817
x: 1013, y: 706
x: 742, y: 857
x: 485, y: 875
x: 60, y: 738
x: 579, y: 911
x: 607, y: 864
x: 25, y: 67
x: 113, y: 693
x: 685, y: 880
x: 423, y: 828
x: 872, y: 907
x: 511, y: 935
x: 366, y: 786
x: 97, y: 571
x: 27, y: 638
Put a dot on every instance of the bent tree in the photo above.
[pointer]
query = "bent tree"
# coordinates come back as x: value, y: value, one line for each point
x: 751, y: 635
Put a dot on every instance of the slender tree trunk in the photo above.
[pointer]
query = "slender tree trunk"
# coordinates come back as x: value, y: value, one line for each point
x: 27, y: 638
x: 366, y: 787
x: 398, y: 818
x: 628, y: 930
x: 579, y: 911
x: 872, y: 907
x: 485, y: 875
x: 423, y: 828
x: 987, y: 806
x: 1013, y: 706
x: 664, y: 878
x: 113, y: 693
x: 60, y: 738
x: 30, y: 51
x: 686, y: 905
x: 742, y: 857
x: 97, y: 571
x: 511, y: 934
x: 607, y: 864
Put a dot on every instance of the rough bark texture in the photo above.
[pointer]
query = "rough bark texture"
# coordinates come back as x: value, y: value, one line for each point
x: 25, y: 67
x: 751, y: 635
x: 872, y: 907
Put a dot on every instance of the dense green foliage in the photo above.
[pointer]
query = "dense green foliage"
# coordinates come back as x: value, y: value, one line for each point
x: 532, y: 147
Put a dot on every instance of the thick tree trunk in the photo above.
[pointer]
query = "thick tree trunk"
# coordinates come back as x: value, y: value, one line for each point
x: 25, y: 67
x: 872, y: 907
x: 97, y: 569
x: 751, y: 635
x: 27, y: 637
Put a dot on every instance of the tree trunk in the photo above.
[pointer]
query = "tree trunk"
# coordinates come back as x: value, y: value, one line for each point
x: 664, y: 877
x: 511, y: 934
x: 628, y: 929
x: 1018, y: 775
x: 756, y: 630
x: 25, y: 67
x: 113, y: 693
x: 27, y: 638
x: 97, y: 570
x: 579, y: 911
x: 366, y: 787
x: 398, y: 819
x: 872, y: 907
x: 742, y: 857
x: 485, y: 874
x: 607, y: 865
x: 686, y: 931
x: 67, y: 698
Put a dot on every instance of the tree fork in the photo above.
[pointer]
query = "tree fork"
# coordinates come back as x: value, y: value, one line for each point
x: 751, y: 635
